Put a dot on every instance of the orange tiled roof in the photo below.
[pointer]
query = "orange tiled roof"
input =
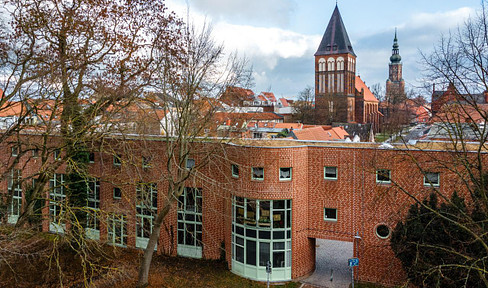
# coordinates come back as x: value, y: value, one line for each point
x: 284, y: 102
x: 368, y: 95
x: 319, y: 134
x: 289, y: 126
x: 270, y: 96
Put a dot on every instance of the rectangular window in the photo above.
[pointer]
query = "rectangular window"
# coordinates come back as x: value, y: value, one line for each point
x: 15, y: 151
x: 117, y: 193
x: 93, y: 204
x: 117, y: 160
x: 330, y: 173
x: 190, y: 163
x: 35, y: 153
x: 383, y: 176
x: 146, y: 209
x: 285, y: 173
x: 117, y: 230
x: 15, y: 191
x: 432, y: 178
x: 257, y: 135
x: 235, y: 170
x: 190, y: 217
x: 57, y: 199
x: 330, y: 214
x: 57, y: 154
x: 146, y: 162
x: 257, y: 173
x: 91, y: 157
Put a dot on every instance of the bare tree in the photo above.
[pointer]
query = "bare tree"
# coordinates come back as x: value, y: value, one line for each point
x: 459, y: 59
x: 304, y: 106
x: 189, y: 87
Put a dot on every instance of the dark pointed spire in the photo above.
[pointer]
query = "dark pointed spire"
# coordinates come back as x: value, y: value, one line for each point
x: 335, y: 39
x: 395, y: 53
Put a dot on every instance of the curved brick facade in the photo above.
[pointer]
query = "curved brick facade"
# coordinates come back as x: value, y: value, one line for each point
x: 361, y: 202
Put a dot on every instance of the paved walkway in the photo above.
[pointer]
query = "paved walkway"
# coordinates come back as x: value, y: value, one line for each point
x: 331, y: 269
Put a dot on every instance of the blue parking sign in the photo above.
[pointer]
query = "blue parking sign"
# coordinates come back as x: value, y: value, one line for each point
x: 353, y: 262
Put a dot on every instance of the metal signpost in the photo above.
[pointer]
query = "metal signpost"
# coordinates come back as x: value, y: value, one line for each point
x: 268, y: 271
x: 352, y: 263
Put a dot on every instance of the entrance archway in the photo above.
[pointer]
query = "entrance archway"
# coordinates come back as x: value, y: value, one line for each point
x: 331, y: 268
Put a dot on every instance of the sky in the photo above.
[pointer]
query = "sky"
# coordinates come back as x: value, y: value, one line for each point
x: 280, y: 37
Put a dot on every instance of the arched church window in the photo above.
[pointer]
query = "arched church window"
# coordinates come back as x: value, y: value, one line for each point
x: 340, y: 63
x: 321, y: 64
x: 331, y: 64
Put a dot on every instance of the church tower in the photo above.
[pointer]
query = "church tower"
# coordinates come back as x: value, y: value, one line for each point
x: 335, y: 71
x: 395, y: 85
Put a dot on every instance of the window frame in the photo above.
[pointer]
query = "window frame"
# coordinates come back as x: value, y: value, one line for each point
x: 285, y: 179
x: 91, y: 157
x: 57, y: 154
x: 188, y: 161
x: 252, y: 174
x: 325, y: 173
x: 330, y: 219
x: 383, y: 181
x: 232, y: 166
x: 15, y: 151
x: 117, y: 160
x: 113, y: 193
x: 430, y: 183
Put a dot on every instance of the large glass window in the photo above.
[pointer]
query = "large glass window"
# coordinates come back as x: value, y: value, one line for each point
x: 146, y: 211
x: 93, y: 205
x: 15, y: 192
x: 261, y: 232
x: 57, y: 202
x: 117, y: 230
x: 190, y: 223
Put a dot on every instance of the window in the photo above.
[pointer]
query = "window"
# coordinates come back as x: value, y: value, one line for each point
x: 57, y: 154
x: 383, y: 176
x: 235, y: 170
x: 285, y: 173
x: 117, y: 193
x: 190, y: 223
x: 15, y: 151
x: 257, y: 173
x: 35, y: 153
x: 93, y: 207
x: 383, y: 231
x: 146, y: 209
x: 146, y: 162
x: 261, y: 232
x: 330, y: 214
x: 257, y: 135
x: 117, y: 230
x: 330, y: 173
x: 190, y: 163
x: 117, y: 160
x: 91, y: 157
x: 57, y: 199
x: 15, y: 191
x: 432, y: 178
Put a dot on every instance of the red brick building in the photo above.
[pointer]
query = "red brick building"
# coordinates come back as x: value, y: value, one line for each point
x: 265, y: 200
x: 340, y: 96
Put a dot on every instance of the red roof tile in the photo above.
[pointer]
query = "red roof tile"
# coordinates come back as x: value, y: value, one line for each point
x: 368, y: 95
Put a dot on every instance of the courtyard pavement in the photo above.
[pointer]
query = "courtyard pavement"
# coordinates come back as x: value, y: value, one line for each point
x: 331, y: 263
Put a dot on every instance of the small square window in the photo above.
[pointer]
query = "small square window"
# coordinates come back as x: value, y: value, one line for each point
x: 257, y: 173
x: 285, y: 173
x: 117, y: 160
x: 146, y: 162
x: 91, y: 157
x: 432, y: 178
x: 190, y: 163
x: 330, y: 214
x: 235, y: 170
x: 57, y: 155
x: 330, y: 173
x: 15, y: 151
x: 383, y: 176
x: 35, y: 153
x: 117, y: 193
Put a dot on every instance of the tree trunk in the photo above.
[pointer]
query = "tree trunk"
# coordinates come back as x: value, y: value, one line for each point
x: 143, y: 280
